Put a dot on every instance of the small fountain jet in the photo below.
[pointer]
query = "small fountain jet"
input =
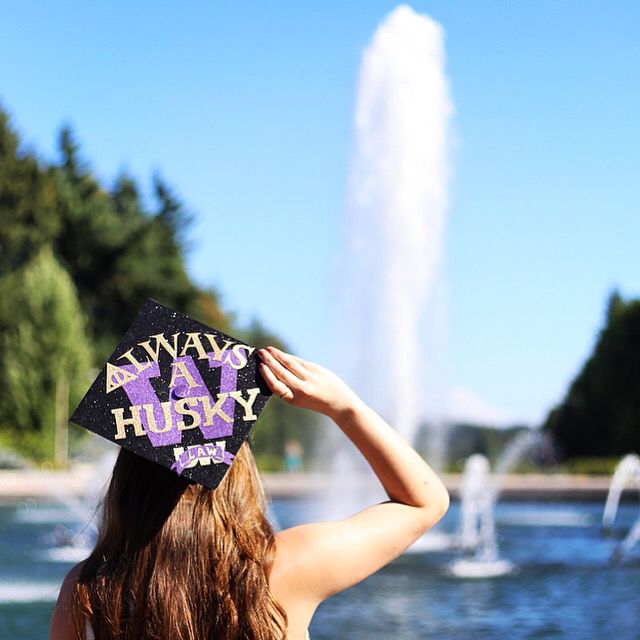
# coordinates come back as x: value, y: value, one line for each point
x: 478, y: 535
x: 626, y: 475
x: 479, y: 493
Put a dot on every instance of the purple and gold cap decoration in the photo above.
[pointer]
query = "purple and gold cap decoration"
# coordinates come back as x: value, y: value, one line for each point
x: 177, y: 392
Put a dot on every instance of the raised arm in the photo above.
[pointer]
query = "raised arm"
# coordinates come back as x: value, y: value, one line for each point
x: 320, y: 559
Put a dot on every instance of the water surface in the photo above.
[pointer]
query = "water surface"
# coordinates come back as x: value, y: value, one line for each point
x: 564, y: 586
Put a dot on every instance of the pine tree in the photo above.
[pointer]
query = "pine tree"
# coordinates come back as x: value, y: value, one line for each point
x: 45, y: 357
x: 28, y: 215
x: 600, y: 414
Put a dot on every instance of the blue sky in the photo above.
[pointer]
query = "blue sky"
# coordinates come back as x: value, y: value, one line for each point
x: 246, y: 109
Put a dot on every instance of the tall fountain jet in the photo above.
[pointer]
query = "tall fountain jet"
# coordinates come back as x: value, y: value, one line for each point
x: 389, y: 250
x: 396, y: 207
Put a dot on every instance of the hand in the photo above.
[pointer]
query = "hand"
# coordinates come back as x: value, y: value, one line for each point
x: 305, y: 384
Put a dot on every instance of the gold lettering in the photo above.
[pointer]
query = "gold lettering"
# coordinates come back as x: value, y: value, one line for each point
x: 180, y: 370
x: 216, y: 409
x: 117, y: 376
x: 193, y: 341
x: 134, y: 421
x: 238, y: 353
x: 182, y: 408
x: 247, y: 404
x: 161, y: 341
x: 151, y: 418
x: 217, y: 351
x: 134, y: 361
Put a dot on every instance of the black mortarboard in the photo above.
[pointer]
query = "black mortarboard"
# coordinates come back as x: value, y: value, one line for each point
x: 177, y: 392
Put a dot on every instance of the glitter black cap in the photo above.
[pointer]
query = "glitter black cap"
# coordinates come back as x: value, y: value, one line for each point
x: 177, y: 392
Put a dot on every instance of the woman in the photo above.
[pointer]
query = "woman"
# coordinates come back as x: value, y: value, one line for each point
x: 176, y: 560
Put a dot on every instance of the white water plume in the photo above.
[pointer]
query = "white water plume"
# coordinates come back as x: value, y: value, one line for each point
x: 395, y: 220
x: 627, y: 474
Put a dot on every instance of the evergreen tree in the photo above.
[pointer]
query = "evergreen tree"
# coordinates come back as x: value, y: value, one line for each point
x: 45, y: 357
x: 77, y: 260
x: 118, y: 253
x: 28, y: 216
x: 600, y: 415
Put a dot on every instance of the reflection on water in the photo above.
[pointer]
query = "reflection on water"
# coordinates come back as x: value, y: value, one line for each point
x: 564, y: 587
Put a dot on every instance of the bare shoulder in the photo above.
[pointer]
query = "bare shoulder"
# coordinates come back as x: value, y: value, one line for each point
x: 61, y: 626
x: 317, y: 560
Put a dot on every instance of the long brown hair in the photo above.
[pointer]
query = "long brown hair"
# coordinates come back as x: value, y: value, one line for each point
x: 177, y: 560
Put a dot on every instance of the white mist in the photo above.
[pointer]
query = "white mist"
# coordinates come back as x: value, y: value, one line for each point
x: 395, y: 216
x: 386, y: 269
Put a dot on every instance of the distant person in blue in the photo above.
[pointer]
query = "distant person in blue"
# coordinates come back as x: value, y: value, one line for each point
x: 177, y: 560
x: 293, y: 455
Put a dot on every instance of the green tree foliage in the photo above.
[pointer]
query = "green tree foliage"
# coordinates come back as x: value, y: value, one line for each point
x: 118, y: 253
x: 77, y: 260
x: 600, y: 415
x: 43, y: 345
x: 28, y: 216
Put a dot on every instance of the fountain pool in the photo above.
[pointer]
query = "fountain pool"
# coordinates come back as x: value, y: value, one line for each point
x: 565, y: 587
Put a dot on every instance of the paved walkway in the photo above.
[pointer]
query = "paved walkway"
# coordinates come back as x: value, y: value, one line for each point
x: 21, y: 484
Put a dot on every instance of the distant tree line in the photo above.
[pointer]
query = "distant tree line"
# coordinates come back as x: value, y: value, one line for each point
x: 77, y: 259
x: 600, y: 414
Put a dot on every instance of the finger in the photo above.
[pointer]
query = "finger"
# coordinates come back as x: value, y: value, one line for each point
x: 281, y: 372
x: 277, y: 386
x: 307, y: 364
x: 293, y: 363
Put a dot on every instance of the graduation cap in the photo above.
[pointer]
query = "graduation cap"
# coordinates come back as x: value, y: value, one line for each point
x: 177, y: 392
